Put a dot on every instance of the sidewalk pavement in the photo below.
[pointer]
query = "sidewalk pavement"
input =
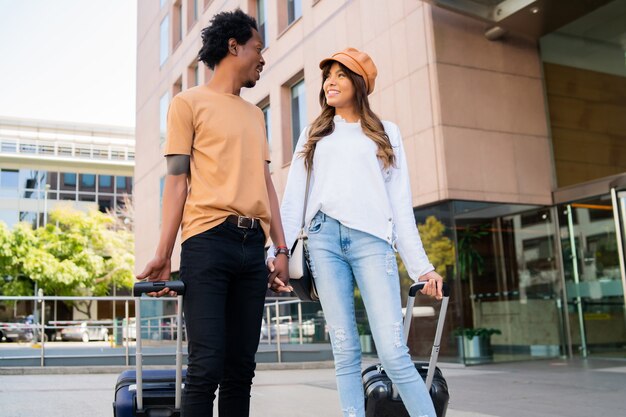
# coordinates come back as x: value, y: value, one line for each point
x: 524, y: 389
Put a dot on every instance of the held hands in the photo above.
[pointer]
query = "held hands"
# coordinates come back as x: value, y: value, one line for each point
x: 278, y: 279
x: 433, y: 285
x: 158, y: 269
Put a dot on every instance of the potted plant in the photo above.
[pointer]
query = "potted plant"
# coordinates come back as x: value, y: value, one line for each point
x: 475, y: 343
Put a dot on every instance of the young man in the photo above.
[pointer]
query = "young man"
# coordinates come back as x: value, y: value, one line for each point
x: 218, y: 185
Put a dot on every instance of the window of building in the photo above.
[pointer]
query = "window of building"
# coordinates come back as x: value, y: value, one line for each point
x: 177, y: 87
x: 105, y: 184
x: 87, y: 182
x: 177, y: 24
x: 164, y: 103
x: 261, y: 20
x: 264, y: 105
x: 105, y: 203
x: 192, y: 75
x: 69, y: 180
x: 268, y: 123
x: 192, y: 13
x: 298, y: 111
x: 164, y: 40
x: 120, y: 184
x: 9, y: 178
x: 294, y: 10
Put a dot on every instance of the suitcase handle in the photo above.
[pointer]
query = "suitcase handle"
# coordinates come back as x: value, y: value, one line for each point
x: 420, y: 285
x: 154, y: 286
x: 434, y: 354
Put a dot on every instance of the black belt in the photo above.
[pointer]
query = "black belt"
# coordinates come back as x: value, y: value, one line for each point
x: 244, y: 222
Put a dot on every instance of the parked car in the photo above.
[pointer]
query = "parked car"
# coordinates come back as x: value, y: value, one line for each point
x: 22, y: 329
x: 284, y: 328
x: 86, y: 331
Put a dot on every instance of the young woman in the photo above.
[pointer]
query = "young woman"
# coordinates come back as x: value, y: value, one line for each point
x: 359, y: 211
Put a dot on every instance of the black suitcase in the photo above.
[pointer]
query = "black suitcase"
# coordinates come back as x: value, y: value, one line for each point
x: 154, y: 392
x: 381, y: 397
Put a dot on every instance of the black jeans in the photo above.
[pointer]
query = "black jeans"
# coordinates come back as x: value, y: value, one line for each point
x: 226, y: 280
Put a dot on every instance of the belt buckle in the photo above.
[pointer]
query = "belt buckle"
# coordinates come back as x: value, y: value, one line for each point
x: 245, y: 222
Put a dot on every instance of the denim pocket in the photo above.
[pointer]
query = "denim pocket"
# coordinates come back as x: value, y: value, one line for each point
x: 316, y: 224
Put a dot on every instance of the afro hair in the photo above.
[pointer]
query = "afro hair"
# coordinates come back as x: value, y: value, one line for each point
x: 224, y: 26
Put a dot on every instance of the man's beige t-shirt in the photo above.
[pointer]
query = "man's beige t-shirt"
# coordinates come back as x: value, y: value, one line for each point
x: 225, y: 137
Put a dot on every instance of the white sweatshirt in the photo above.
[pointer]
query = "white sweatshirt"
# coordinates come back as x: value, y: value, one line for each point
x: 349, y: 183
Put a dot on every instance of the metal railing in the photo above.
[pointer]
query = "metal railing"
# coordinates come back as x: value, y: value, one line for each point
x: 65, y: 149
x: 276, y: 328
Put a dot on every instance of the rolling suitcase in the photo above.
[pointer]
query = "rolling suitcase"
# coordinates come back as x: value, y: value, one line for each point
x: 153, y: 392
x: 381, y: 397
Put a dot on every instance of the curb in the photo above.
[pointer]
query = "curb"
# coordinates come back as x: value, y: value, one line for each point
x: 75, y: 370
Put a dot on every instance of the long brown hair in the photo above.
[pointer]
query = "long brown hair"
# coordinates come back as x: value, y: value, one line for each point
x: 324, y: 124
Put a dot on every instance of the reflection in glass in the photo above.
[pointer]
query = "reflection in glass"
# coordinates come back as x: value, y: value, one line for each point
x: 593, y: 278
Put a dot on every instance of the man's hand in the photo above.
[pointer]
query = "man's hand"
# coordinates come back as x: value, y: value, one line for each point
x: 278, y: 279
x: 433, y: 285
x: 158, y: 269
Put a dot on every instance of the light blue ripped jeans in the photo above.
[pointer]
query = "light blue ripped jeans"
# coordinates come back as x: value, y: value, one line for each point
x: 339, y: 256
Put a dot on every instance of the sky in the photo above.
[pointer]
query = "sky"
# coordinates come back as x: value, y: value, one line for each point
x: 68, y: 60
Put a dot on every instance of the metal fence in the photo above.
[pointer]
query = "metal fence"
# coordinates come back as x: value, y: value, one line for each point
x: 276, y: 329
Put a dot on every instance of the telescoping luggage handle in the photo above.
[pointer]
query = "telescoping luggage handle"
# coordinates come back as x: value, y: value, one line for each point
x: 145, y: 287
x: 434, y: 354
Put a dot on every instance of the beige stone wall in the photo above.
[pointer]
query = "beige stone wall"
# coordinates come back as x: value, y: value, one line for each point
x: 471, y: 111
x: 492, y: 130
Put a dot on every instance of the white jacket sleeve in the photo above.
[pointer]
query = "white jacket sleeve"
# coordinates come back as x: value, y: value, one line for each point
x: 293, y: 198
x: 408, y: 241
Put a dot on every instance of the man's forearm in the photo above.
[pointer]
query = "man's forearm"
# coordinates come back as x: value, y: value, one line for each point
x: 276, y: 226
x: 174, y: 197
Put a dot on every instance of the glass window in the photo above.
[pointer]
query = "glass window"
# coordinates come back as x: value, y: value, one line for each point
x: 86, y: 197
x: 177, y: 23
x: 294, y: 10
x: 298, y: 111
x: 9, y: 178
x: 105, y: 203
x: 120, y: 184
x: 165, y: 40
x: 87, y: 182
x: 53, y: 180
x: 163, y: 106
x: 105, y: 183
x: 261, y: 13
x: 69, y: 180
x: 268, y: 124
x: 29, y: 217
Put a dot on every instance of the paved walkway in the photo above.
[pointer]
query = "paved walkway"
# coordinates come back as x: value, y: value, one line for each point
x: 524, y: 389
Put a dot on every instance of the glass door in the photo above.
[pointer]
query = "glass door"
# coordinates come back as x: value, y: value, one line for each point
x: 592, y: 236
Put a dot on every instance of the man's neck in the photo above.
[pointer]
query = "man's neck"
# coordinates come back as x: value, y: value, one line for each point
x: 223, y: 81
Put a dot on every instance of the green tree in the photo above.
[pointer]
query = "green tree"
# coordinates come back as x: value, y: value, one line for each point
x: 438, y: 247
x: 76, y: 254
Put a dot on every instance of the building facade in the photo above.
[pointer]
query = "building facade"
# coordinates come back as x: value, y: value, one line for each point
x: 45, y: 164
x: 512, y: 120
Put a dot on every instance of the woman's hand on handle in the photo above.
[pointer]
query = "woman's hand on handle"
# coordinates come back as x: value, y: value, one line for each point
x: 433, y: 286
